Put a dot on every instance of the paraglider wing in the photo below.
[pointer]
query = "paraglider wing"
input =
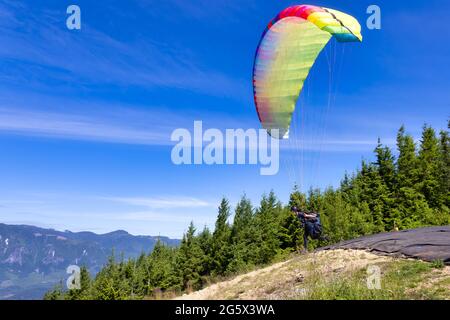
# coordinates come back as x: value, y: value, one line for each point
x: 288, y: 49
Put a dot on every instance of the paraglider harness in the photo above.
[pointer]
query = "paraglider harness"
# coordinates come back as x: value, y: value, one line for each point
x: 313, y: 226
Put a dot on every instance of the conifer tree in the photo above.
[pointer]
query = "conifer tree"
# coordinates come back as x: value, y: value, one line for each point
x: 221, y: 250
x: 290, y: 232
x: 407, y: 167
x: 243, y: 236
x: 444, y: 168
x: 242, y: 220
x: 57, y: 293
x: 189, y: 261
x: 386, y: 165
x: 297, y: 199
x: 110, y: 283
x: 85, y: 285
x: 160, y: 269
x: 428, y: 165
x: 314, y: 202
x: 205, y: 242
x: 267, y: 216
x: 385, y: 189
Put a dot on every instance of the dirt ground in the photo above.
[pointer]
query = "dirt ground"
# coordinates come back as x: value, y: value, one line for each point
x: 280, y: 281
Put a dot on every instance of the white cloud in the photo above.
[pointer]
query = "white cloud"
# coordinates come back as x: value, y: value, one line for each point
x: 149, y: 216
x: 143, y: 128
x: 162, y: 202
x: 80, y: 127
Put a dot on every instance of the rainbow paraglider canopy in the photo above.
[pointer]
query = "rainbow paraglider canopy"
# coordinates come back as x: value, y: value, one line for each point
x: 288, y: 49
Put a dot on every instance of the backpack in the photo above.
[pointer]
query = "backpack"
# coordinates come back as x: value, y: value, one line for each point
x: 317, y: 228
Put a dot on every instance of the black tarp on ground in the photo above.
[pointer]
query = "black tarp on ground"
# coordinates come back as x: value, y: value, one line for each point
x: 429, y: 244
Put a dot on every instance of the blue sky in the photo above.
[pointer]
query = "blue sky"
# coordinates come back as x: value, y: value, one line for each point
x: 86, y: 116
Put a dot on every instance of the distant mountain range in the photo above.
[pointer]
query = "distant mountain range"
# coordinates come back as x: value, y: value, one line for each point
x: 33, y: 260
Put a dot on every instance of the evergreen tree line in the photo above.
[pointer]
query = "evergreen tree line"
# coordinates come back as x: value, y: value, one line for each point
x: 391, y: 193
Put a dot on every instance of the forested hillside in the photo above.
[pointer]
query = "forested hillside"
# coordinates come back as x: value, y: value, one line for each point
x: 400, y: 189
x: 33, y: 259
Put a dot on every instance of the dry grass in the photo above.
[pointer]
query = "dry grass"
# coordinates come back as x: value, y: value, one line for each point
x: 319, y: 275
x: 337, y: 274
